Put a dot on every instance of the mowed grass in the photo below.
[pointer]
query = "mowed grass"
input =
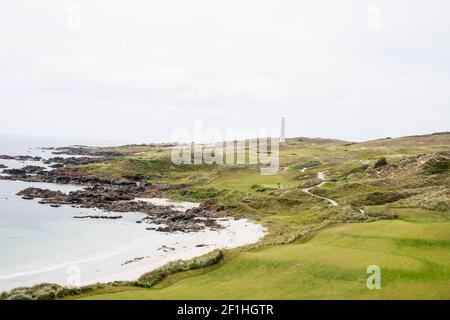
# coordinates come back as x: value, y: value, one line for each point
x: 245, y: 181
x: 413, y: 256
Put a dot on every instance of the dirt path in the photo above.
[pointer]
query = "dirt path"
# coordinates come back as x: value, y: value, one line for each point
x: 321, y: 176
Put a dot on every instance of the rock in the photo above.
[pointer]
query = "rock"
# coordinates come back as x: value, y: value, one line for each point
x: 133, y: 260
x: 16, y: 172
x: 118, y: 199
x: 40, y: 193
x: 98, y: 217
x: 60, y: 161
x: 20, y: 158
x: 88, y: 151
x: 33, y: 169
x: 24, y: 171
x: 125, y: 182
x: 163, y: 229
x: 181, y: 216
x: 105, y: 193
x: 210, y: 223
x: 166, y: 248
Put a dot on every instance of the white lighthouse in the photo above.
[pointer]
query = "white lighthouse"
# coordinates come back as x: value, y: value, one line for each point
x: 283, y: 130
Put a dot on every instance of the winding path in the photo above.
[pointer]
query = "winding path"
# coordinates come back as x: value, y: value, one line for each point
x: 321, y: 176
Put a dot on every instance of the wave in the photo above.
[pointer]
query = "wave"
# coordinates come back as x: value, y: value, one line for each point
x: 59, y: 266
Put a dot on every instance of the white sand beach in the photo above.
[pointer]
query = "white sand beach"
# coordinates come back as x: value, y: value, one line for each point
x: 116, y: 250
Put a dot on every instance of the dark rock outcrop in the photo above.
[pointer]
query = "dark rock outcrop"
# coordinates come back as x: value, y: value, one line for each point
x: 20, y: 158
x: 104, y: 192
x: 98, y: 217
x: 121, y: 199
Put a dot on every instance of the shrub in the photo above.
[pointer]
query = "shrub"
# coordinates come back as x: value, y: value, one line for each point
x: 360, y: 169
x: 434, y: 198
x: 37, y: 292
x: 356, y: 170
x: 152, y: 278
x: 437, y: 166
x: 54, y: 291
x: 201, y: 194
x: 379, y: 198
x: 19, y: 296
x: 310, y: 164
x: 380, y: 162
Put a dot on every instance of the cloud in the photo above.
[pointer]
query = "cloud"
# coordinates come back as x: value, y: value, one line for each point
x: 139, y: 71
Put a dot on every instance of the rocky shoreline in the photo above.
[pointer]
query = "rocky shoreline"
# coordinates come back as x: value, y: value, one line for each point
x: 20, y: 158
x: 98, y: 217
x: 104, y: 193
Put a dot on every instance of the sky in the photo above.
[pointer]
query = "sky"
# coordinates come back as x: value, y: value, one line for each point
x: 138, y: 71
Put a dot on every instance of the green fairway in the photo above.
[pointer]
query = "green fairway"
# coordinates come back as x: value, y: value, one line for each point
x: 413, y: 257
x: 244, y: 182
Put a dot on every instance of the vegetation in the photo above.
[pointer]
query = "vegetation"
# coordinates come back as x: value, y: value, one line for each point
x: 50, y: 292
x: 152, y: 278
x: 413, y: 257
x: 148, y: 280
x: 437, y: 166
x: 394, y: 211
x: 378, y: 197
x: 380, y: 162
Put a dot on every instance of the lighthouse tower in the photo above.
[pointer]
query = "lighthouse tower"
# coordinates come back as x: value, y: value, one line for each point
x: 283, y: 130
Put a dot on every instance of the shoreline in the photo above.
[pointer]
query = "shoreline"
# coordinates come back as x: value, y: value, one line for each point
x: 211, y: 240
x: 186, y: 229
x: 118, y: 266
x: 140, y: 255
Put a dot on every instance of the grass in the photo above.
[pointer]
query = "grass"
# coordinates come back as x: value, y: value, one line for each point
x: 418, y: 215
x: 244, y: 182
x: 413, y: 258
x: 412, y: 251
x: 411, y: 186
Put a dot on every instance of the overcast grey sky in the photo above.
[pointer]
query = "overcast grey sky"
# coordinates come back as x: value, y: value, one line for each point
x: 138, y: 70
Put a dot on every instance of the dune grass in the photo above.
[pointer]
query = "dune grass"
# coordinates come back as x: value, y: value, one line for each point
x: 413, y: 257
